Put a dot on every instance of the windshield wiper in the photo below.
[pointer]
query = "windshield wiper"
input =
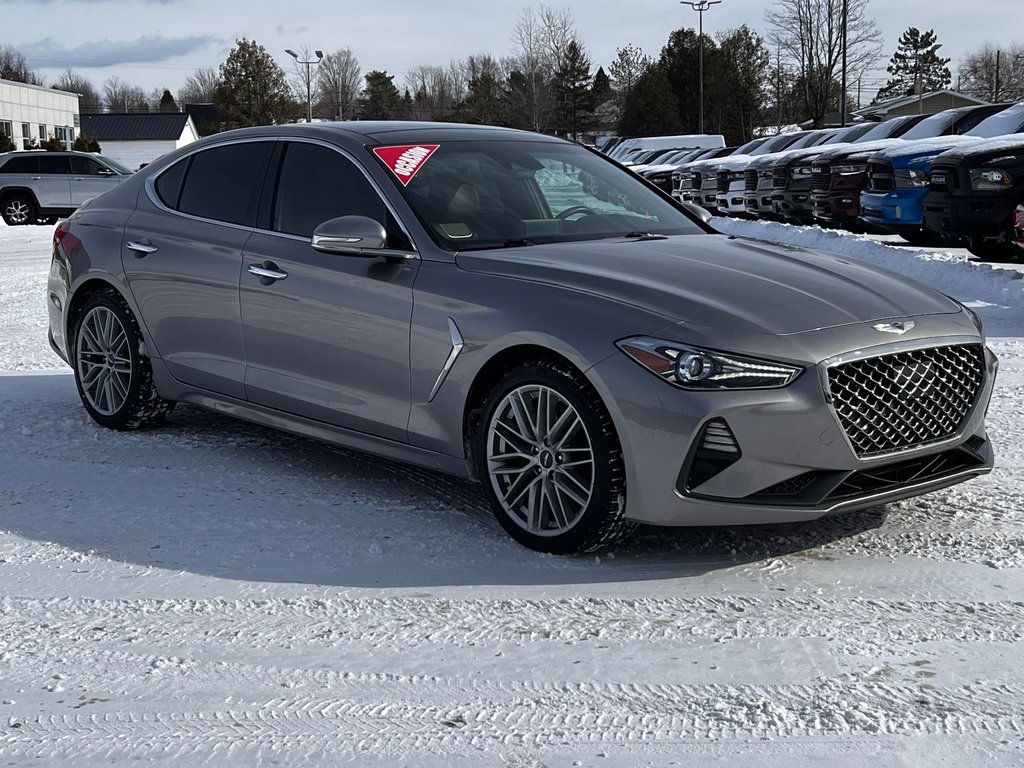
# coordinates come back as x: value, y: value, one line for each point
x: 645, y: 236
x: 517, y: 242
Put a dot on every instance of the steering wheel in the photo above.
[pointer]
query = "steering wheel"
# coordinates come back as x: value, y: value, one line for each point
x: 573, y: 210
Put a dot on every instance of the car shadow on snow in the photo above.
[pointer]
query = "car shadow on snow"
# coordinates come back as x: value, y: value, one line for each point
x: 211, y: 495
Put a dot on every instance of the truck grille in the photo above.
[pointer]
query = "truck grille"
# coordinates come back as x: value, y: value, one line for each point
x: 821, y: 178
x: 723, y: 181
x: 780, y: 177
x: 881, y: 177
x: 907, y: 399
x: 750, y: 181
x: 697, y: 181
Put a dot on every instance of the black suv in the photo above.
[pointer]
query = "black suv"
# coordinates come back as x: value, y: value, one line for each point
x: 37, y: 186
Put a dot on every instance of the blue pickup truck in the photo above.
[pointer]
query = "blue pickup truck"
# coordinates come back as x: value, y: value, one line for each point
x: 898, y: 177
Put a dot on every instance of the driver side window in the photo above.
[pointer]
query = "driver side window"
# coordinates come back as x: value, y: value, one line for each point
x: 316, y: 184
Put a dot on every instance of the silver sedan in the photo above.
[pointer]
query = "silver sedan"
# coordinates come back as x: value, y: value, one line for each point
x: 514, y: 308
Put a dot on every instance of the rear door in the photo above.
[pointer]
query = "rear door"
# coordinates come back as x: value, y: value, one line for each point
x: 330, y: 340
x: 182, y: 256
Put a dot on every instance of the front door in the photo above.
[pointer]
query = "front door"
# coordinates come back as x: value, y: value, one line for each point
x: 330, y: 340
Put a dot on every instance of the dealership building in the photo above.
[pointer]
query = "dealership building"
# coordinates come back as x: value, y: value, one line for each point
x: 35, y: 113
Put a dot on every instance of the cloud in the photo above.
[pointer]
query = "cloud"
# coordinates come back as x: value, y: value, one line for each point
x: 106, y: 53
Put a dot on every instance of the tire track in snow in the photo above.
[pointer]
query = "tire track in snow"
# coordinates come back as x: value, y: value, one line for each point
x: 462, y: 714
x: 853, y: 626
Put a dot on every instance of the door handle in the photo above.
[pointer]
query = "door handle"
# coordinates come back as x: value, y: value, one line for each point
x: 35, y: 178
x: 141, y: 249
x: 267, y: 273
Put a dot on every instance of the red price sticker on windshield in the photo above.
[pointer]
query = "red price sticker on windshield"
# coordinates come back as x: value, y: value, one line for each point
x: 405, y: 161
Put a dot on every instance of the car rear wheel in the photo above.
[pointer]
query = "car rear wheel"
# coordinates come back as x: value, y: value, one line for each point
x: 550, y: 461
x: 113, y: 375
x: 18, y: 209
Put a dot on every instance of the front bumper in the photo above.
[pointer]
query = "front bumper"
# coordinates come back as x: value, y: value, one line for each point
x: 734, y: 200
x: 972, y: 216
x: 794, y: 202
x: 841, y: 203
x: 795, y: 462
x: 901, y: 210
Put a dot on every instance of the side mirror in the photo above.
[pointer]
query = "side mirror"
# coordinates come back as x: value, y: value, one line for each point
x: 105, y: 172
x: 352, y: 235
x: 701, y: 213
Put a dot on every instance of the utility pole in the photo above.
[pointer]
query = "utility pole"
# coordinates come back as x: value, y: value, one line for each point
x: 842, y: 96
x: 309, y: 79
x: 700, y: 6
x: 995, y: 96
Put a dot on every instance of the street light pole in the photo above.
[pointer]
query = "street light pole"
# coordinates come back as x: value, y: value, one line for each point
x: 309, y: 79
x: 842, y: 95
x: 700, y: 6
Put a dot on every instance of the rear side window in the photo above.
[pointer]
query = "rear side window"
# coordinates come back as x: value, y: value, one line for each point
x: 86, y: 166
x: 53, y: 164
x: 224, y: 183
x: 21, y: 165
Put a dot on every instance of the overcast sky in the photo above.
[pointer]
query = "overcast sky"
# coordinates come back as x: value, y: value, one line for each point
x: 158, y: 43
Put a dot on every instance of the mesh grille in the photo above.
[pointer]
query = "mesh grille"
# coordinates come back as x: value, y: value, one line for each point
x: 907, y: 399
x: 821, y: 178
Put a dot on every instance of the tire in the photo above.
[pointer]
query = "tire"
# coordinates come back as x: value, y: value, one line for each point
x: 114, y: 377
x: 19, y: 209
x: 994, y: 250
x: 922, y: 238
x: 556, y: 483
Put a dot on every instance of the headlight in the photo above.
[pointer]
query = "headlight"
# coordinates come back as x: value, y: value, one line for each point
x: 990, y: 179
x: 737, y: 175
x: 850, y: 170
x: 767, y: 173
x: 911, y: 177
x: 697, y: 368
x: 801, y: 170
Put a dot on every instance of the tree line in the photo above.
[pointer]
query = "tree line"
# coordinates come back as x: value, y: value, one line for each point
x: 548, y: 83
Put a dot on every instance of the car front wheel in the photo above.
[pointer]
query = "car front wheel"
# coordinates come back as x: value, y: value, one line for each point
x: 550, y: 461
x: 114, y: 377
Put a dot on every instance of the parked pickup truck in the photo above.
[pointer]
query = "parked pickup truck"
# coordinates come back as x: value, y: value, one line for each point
x: 898, y: 177
x: 37, y: 186
x: 974, y: 192
x: 838, y: 177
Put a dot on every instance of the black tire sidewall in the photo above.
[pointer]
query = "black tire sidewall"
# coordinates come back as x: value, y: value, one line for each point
x: 123, y: 418
x: 609, y: 484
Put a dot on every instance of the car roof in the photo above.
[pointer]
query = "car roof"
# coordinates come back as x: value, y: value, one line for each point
x: 392, y: 132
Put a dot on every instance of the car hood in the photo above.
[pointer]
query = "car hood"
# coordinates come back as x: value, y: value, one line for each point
x: 857, y: 150
x: 719, y: 281
x: 1011, y: 145
x: 926, y: 147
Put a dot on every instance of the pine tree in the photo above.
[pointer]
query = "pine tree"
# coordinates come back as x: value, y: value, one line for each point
x: 572, y: 91
x: 651, y: 107
x: 916, y: 57
x: 253, y: 89
x: 381, y: 100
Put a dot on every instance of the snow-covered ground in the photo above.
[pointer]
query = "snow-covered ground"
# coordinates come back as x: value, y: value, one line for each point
x: 213, y: 593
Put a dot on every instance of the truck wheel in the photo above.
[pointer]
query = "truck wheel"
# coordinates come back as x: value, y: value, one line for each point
x: 18, y: 209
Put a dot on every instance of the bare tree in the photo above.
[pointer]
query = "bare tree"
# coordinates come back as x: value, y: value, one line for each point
x: 436, y: 91
x: 14, y: 67
x: 119, y: 96
x: 200, y: 87
x: 994, y: 74
x: 338, y: 85
x: 540, y: 39
x: 89, y: 100
x: 809, y: 34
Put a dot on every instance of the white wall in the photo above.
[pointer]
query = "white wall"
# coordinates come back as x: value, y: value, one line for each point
x: 35, y: 105
x: 132, y: 154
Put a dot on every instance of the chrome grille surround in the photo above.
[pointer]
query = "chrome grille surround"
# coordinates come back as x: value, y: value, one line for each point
x: 906, y: 400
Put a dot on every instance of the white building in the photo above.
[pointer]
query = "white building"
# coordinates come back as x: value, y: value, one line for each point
x: 34, y: 113
x: 135, y: 139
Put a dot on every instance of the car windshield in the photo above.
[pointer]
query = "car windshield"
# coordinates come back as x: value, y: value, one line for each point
x: 1010, y: 120
x: 884, y: 129
x: 808, y: 140
x: 749, y: 147
x: 775, y: 144
x: 932, y: 126
x: 117, y: 166
x: 475, y: 194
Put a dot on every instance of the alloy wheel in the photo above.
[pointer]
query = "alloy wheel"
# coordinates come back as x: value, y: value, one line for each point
x: 104, y: 361
x: 540, y: 460
x: 17, y: 211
